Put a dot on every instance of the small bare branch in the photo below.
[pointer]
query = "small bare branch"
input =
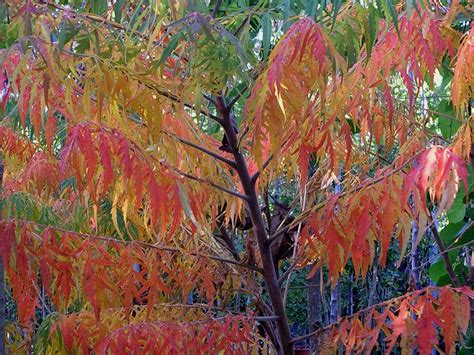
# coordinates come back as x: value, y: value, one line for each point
x: 219, y: 187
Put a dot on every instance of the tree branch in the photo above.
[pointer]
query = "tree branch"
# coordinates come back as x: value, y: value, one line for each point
x: 288, y: 271
x: 178, y: 100
x: 236, y: 98
x: 444, y: 255
x: 216, y: 8
x: 204, y: 150
x: 219, y: 187
x: 137, y: 242
x: 264, y: 166
x: 269, y: 272
x: 228, y: 242
x: 381, y: 304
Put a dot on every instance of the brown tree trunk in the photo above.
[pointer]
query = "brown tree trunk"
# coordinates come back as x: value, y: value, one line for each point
x: 252, y: 202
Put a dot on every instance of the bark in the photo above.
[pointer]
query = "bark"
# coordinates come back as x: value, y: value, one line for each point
x: 444, y: 256
x: 373, y: 284
x: 315, y: 302
x: 325, y: 309
x: 228, y: 242
x: 333, y: 317
x: 252, y: 201
x: 415, y: 273
x: 350, y: 307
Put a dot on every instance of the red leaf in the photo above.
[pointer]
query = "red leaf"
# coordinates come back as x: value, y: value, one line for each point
x: 427, y: 337
x: 50, y: 130
x: 106, y: 160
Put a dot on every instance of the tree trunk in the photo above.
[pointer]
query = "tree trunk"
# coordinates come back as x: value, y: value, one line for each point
x: 373, y: 283
x: 415, y: 274
x: 315, y: 302
x: 350, y: 306
x: 333, y: 317
x: 252, y: 202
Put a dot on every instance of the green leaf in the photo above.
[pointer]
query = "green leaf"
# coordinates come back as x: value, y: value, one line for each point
x: 267, y: 34
x: 3, y: 12
x: 118, y: 10
x: 409, y: 6
x: 286, y: 14
x: 336, y: 6
x: 97, y: 6
x: 172, y: 44
x: 390, y: 12
x: 458, y: 210
x: 66, y: 33
x: 354, y: 128
x: 83, y: 44
x: 311, y: 7
x: 437, y: 271
x: 448, y: 233
x: 446, y: 120
x: 371, y: 30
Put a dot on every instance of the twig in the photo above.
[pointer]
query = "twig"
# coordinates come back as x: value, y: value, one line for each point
x: 204, y: 150
x: 288, y: 272
x: 219, y: 187
x: 382, y: 304
x: 359, y: 187
x: 135, y: 242
x: 236, y: 98
x: 216, y: 8
x: 444, y: 255
x: 224, y: 236
x: 264, y: 166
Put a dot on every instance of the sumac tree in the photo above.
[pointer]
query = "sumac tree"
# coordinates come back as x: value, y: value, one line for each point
x: 146, y: 145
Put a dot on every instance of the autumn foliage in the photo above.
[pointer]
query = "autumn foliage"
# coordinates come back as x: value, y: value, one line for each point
x: 141, y: 145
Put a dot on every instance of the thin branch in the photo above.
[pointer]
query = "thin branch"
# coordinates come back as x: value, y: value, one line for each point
x: 210, y: 99
x: 288, y: 271
x: 150, y: 86
x: 434, y: 257
x: 224, y: 236
x: 236, y: 98
x: 264, y: 166
x: 91, y: 17
x: 445, y: 256
x: 41, y: 298
x: 266, y: 318
x: 244, y: 22
x: 357, y: 188
x: 253, y: 206
x: 277, y: 233
x: 178, y: 100
x: 382, y: 304
x: 219, y: 187
x: 458, y: 236
x: 204, y: 150
x: 216, y: 8
x: 136, y: 242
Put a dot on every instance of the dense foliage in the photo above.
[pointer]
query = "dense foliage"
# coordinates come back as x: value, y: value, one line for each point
x: 236, y: 176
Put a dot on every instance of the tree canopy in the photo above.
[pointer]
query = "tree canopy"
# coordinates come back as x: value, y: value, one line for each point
x: 172, y: 167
